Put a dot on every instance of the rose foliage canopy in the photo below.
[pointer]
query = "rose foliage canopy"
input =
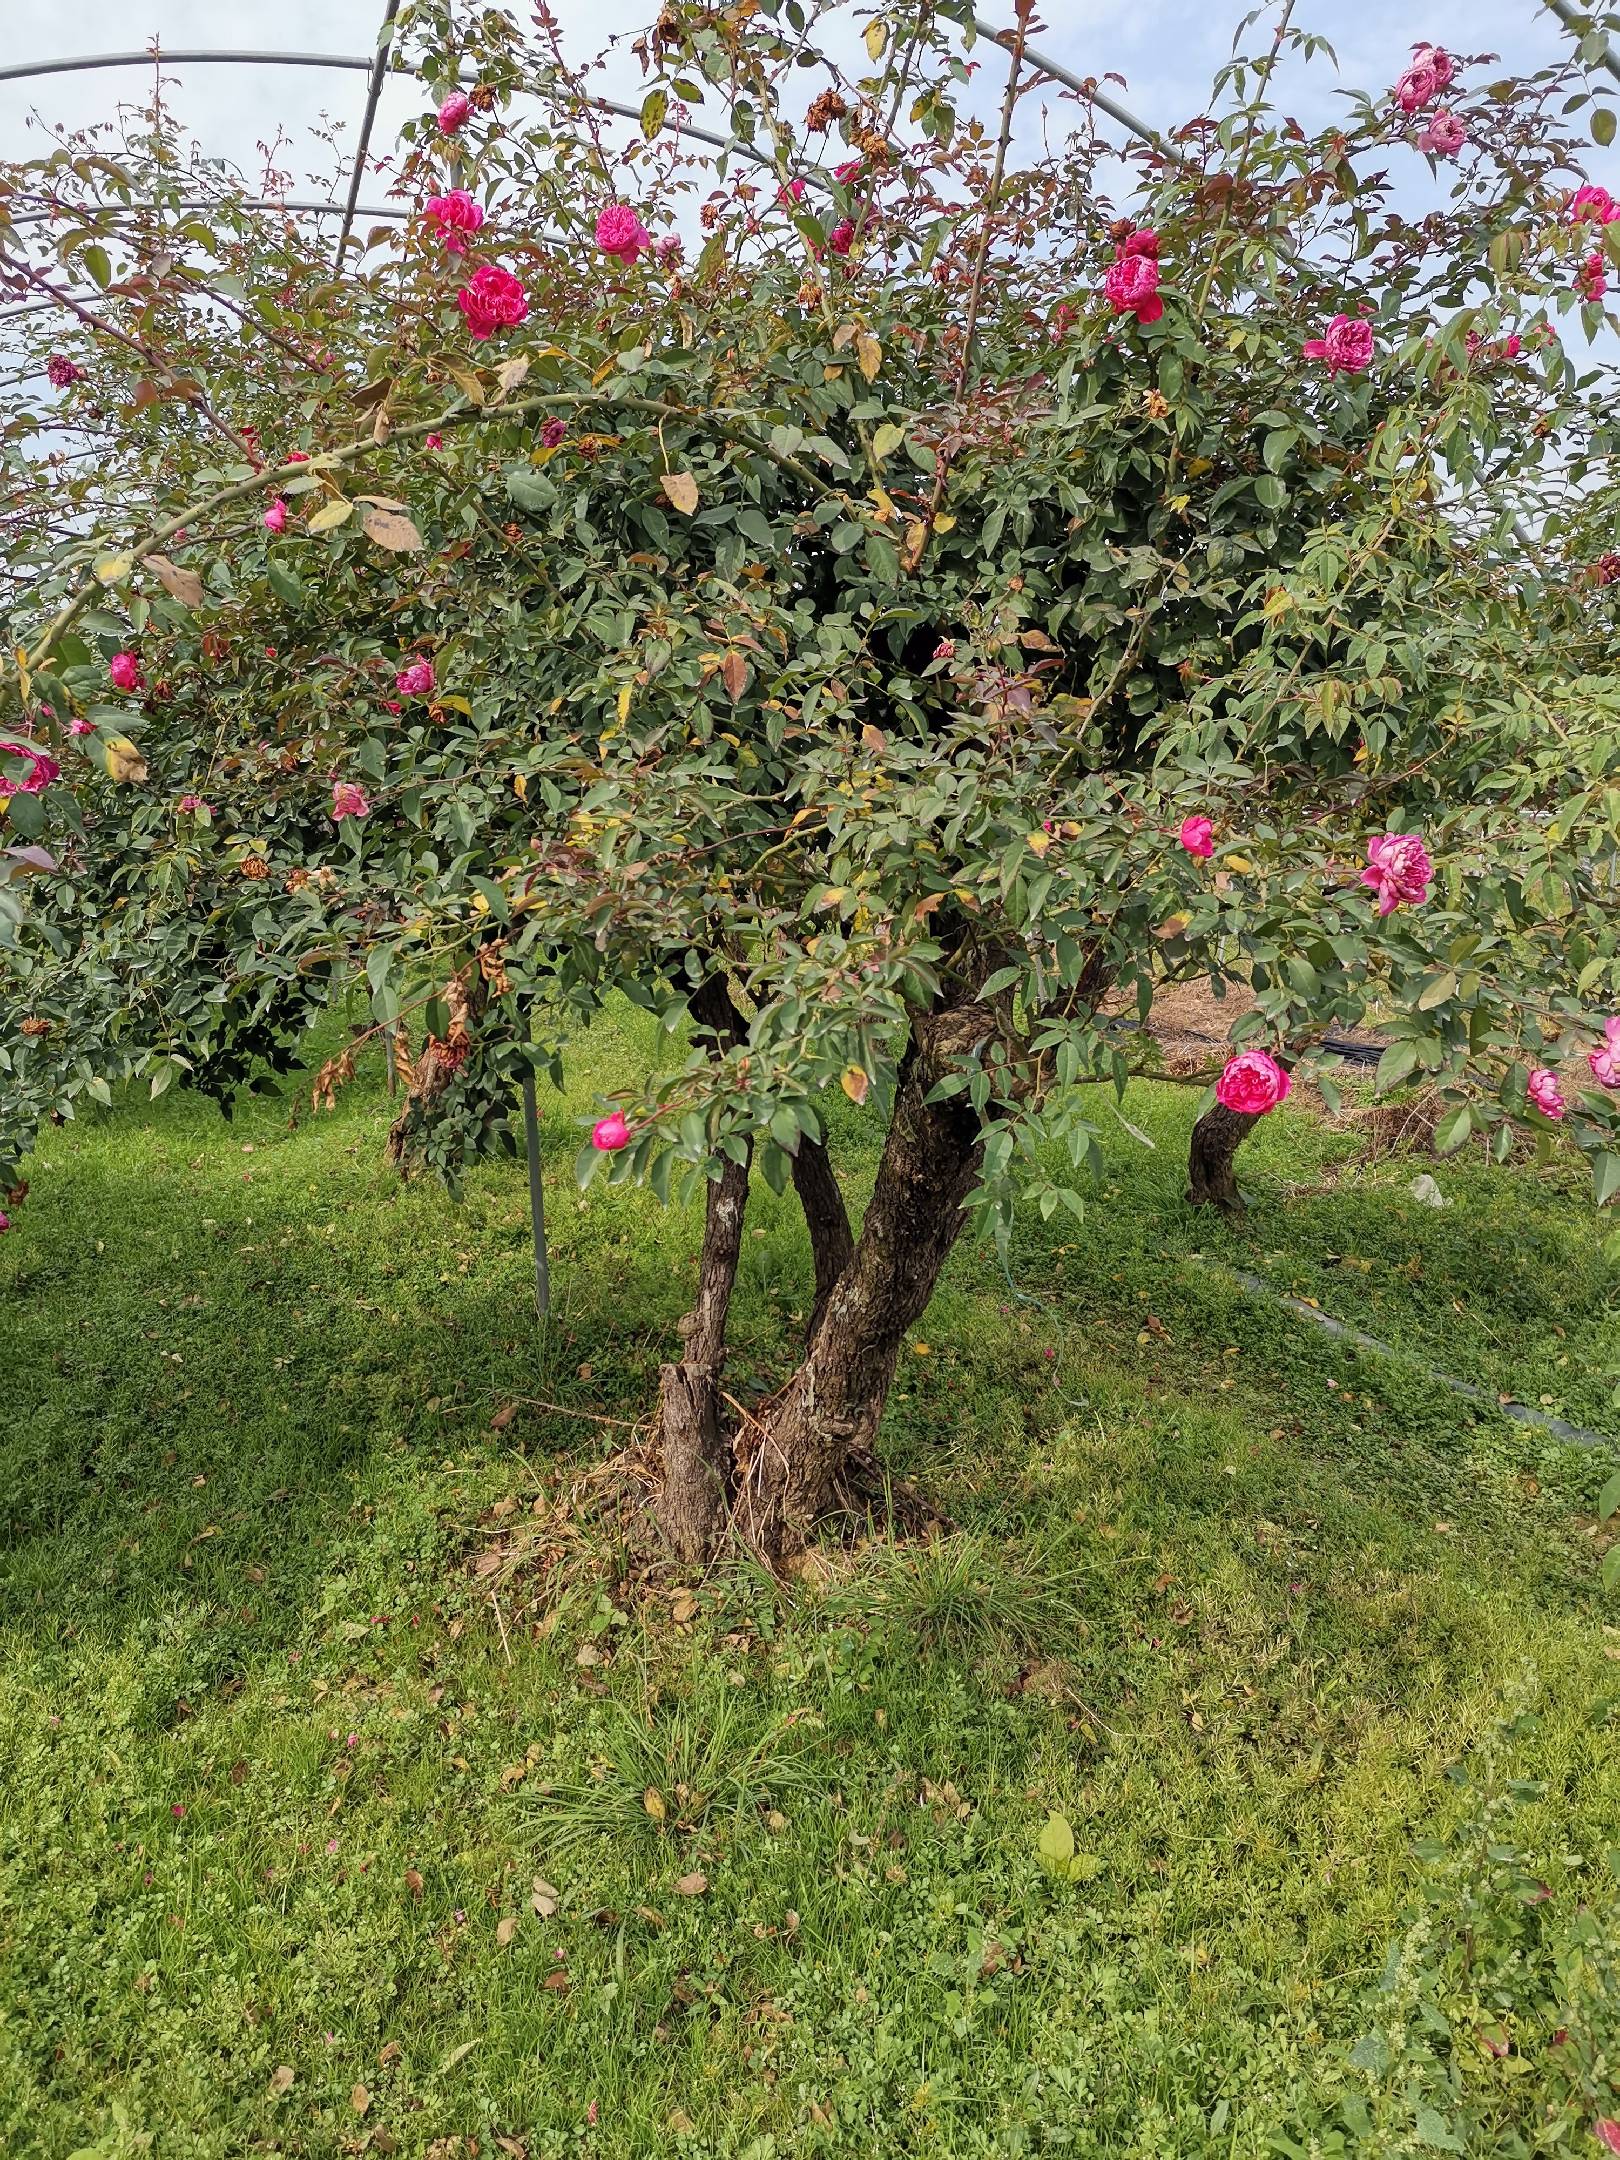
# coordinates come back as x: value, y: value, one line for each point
x: 815, y: 612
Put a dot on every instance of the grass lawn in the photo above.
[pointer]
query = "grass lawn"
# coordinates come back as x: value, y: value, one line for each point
x: 319, y: 1651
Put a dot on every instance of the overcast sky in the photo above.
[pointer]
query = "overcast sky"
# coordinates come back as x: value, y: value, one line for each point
x: 1166, y: 50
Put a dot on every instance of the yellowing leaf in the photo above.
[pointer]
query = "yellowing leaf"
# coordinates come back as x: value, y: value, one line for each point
x: 887, y: 439
x: 855, y: 1084
x: 392, y: 530
x: 682, y: 491
x: 869, y: 353
x: 1240, y: 863
x: 944, y: 523
x: 626, y: 693
x: 877, y: 37
x: 1040, y: 842
x: 874, y: 739
x: 520, y: 786
x: 885, y: 504
x: 330, y: 515
x: 467, y: 382
x: 111, y: 568
x: 183, y: 585
x: 653, y: 1801
x: 121, y: 758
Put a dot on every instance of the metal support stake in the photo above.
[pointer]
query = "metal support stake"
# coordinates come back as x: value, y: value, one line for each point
x: 537, y: 1198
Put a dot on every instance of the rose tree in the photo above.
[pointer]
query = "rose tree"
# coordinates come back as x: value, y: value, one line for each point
x: 874, y: 599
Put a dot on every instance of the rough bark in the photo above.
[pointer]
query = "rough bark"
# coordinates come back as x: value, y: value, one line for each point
x: 792, y: 1455
x: 832, y: 1242
x: 695, y: 1456
x: 695, y: 1490
x: 1211, y: 1158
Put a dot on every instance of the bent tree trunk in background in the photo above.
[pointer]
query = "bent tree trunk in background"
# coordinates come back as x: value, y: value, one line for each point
x: 695, y: 1490
x: 792, y: 1455
x: 1212, y: 1157
x: 832, y: 1242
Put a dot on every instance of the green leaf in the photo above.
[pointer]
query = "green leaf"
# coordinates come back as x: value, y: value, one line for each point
x: 99, y: 265
x: 887, y: 439
x: 1608, y: 1501
x: 1609, y: 1573
x: 1056, y: 1843
x: 287, y: 587
x: 1270, y: 492
x: 1603, y: 126
x: 1397, y: 1061
x: 1605, y: 1177
x: 1436, y: 992
x: 1453, y: 1129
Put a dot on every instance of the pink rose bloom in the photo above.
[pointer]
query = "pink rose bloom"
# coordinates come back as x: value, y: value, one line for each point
x: 1431, y: 69
x: 1253, y: 1083
x: 669, y: 248
x: 1444, y: 136
x: 1398, y: 868
x: 1592, y: 279
x: 275, y: 518
x: 81, y: 727
x: 842, y: 237
x: 1512, y: 345
x: 1607, y: 2132
x: 124, y: 671
x: 190, y: 803
x: 43, y: 769
x: 1346, y: 345
x: 433, y: 442
x: 610, y: 1133
x: 793, y: 192
x: 415, y: 680
x: 621, y: 234
x: 296, y: 457
x: 349, y: 799
x: 1543, y: 1090
x: 945, y: 649
x: 846, y: 172
x: 1586, y: 202
x: 1144, y: 241
x: 495, y: 300
x: 1605, y: 1063
x: 62, y: 372
x: 453, y: 112
x: 453, y: 215
x: 1132, y: 287
x: 1197, y: 836
x: 553, y: 433
x: 5, y: 1222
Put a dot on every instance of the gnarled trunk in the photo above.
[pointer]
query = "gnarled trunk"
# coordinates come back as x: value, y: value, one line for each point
x: 1211, y: 1158
x: 695, y: 1491
x: 790, y: 1457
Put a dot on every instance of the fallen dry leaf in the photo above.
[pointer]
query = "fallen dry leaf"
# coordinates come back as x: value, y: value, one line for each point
x: 183, y: 585
x: 683, y: 1606
x: 653, y: 1801
x: 557, y: 1982
x: 359, y: 2099
x: 506, y: 1930
x: 503, y: 1417
x: 692, y: 1885
x: 546, y: 1898
x: 281, y: 2078
x: 413, y: 1882
x: 392, y: 530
